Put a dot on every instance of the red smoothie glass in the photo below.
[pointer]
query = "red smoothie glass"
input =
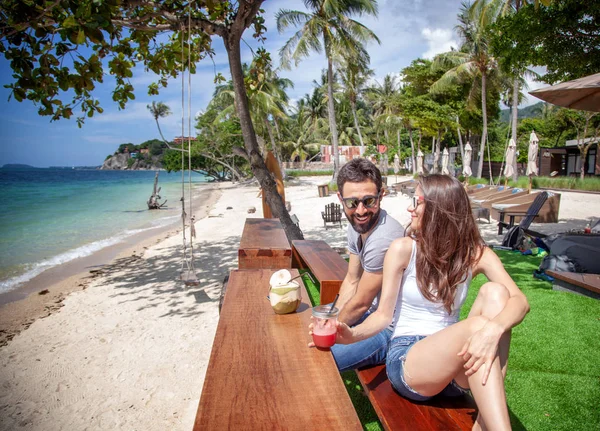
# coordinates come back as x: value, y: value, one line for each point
x: 324, y: 325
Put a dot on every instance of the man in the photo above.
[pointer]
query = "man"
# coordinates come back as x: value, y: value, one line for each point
x: 370, y: 233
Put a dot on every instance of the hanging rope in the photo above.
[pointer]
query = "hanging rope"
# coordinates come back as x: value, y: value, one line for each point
x: 188, y: 274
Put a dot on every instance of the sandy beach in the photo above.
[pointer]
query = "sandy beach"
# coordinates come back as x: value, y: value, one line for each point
x: 126, y: 347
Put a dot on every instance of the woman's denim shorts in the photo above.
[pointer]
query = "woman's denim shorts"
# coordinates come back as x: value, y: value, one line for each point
x: 396, y: 357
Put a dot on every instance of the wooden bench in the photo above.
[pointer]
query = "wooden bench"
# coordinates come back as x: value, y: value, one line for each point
x: 332, y: 214
x: 264, y: 245
x: 261, y: 374
x: 328, y: 267
x: 396, y: 413
x: 583, y: 284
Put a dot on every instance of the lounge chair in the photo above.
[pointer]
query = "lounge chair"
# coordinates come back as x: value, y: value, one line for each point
x: 528, y: 216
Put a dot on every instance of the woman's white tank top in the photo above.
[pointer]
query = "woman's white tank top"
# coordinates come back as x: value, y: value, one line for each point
x: 415, y: 315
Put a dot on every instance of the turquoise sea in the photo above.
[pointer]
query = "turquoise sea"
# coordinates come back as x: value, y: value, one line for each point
x: 51, y: 216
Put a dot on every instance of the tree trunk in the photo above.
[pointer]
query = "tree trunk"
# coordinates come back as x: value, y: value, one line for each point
x: 362, y: 144
x: 583, y: 152
x: 435, y: 149
x: 484, y: 132
x: 515, y: 119
x: 332, y: 123
x: 412, y: 151
x: 460, y: 143
x: 232, y: 46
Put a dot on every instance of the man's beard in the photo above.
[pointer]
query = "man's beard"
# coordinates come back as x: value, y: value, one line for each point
x: 364, y: 228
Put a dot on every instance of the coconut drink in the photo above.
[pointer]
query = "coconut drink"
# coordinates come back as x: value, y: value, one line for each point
x: 284, y: 293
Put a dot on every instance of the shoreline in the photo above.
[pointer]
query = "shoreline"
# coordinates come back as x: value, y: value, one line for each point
x: 43, y: 294
x: 130, y: 348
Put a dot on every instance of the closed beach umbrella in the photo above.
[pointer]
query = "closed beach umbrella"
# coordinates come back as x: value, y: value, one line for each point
x: 467, y: 161
x: 420, y: 163
x: 510, y: 158
x: 396, y: 166
x: 532, y: 154
x: 445, y: 158
x: 582, y: 93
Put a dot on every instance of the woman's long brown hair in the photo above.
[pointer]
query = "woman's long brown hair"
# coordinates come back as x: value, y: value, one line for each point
x: 448, y: 240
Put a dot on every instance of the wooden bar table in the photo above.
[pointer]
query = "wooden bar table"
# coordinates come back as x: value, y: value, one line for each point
x: 264, y: 245
x: 261, y: 375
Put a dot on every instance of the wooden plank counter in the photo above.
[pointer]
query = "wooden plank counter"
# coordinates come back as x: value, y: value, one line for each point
x: 264, y: 245
x: 261, y: 374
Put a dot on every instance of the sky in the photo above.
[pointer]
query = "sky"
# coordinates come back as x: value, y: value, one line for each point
x: 407, y: 29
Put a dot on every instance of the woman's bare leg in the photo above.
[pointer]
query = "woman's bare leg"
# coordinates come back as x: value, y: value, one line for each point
x: 433, y: 362
x: 490, y: 301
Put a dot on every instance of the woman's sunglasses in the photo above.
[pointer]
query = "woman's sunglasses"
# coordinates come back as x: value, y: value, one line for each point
x: 367, y: 201
x: 415, y: 201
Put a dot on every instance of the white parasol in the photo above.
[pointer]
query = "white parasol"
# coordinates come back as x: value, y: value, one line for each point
x: 396, y: 165
x: 467, y: 172
x: 445, y: 158
x: 420, y: 163
x: 510, y: 158
x: 532, y: 155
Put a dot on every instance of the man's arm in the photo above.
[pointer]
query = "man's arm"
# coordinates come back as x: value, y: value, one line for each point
x: 358, y: 291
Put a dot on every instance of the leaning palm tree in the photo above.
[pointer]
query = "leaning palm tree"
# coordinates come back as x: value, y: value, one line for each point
x: 473, y: 60
x: 159, y: 110
x: 327, y: 27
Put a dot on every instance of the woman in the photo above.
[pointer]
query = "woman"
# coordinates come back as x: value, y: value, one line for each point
x: 425, y: 282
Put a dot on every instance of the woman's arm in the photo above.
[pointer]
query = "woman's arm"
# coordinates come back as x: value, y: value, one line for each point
x: 482, y: 346
x: 517, y: 306
x: 396, y: 261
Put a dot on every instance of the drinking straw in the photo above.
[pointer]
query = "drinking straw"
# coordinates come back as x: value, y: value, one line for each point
x: 333, y: 303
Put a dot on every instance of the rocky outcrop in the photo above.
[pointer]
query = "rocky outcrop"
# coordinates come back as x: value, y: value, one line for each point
x: 123, y: 161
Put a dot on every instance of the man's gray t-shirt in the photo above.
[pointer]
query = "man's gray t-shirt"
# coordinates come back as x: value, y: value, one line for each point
x: 372, y: 252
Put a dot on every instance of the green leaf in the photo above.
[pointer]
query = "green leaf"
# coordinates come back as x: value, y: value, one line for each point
x: 69, y: 22
x: 80, y: 37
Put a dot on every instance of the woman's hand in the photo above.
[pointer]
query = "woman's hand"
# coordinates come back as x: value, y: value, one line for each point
x: 481, y: 350
x: 344, y: 333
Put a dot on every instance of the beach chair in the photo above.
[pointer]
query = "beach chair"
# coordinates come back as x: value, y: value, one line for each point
x: 529, y: 215
x: 332, y: 214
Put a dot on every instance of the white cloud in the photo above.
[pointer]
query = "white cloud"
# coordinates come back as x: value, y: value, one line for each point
x: 438, y: 40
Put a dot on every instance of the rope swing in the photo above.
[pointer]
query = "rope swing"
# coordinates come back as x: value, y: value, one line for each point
x: 188, y: 273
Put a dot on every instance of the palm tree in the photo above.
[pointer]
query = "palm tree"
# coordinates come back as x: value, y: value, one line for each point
x: 384, y: 101
x: 502, y: 8
x: 471, y: 61
x: 159, y: 110
x: 355, y: 75
x: 327, y: 27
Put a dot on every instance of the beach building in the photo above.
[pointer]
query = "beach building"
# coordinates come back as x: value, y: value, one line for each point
x: 566, y: 161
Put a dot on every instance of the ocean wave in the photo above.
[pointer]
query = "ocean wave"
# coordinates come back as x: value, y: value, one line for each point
x: 82, y: 251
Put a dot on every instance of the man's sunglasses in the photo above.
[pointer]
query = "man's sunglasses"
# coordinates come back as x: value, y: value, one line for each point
x: 416, y: 199
x: 367, y: 201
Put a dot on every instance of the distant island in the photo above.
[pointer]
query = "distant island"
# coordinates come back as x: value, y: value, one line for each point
x: 17, y: 167
x: 23, y: 167
x: 145, y: 156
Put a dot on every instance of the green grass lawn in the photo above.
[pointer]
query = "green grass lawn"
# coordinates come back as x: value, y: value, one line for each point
x: 553, y: 380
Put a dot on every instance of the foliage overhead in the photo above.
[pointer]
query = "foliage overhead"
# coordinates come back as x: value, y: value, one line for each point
x: 60, y: 50
x: 564, y: 37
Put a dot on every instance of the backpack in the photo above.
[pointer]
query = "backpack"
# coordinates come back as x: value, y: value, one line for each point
x: 558, y: 262
x: 513, y: 238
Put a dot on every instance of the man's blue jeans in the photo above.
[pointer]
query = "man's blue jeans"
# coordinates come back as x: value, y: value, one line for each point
x: 371, y: 351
